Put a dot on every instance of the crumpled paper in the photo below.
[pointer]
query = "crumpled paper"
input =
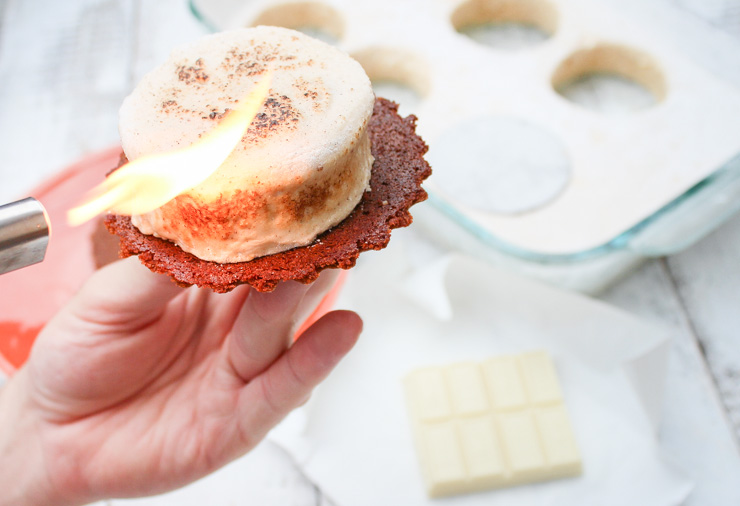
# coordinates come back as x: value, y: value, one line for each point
x: 353, y: 438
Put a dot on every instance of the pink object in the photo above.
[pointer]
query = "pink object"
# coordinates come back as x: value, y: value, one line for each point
x: 326, y: 304
x: 31, y: 296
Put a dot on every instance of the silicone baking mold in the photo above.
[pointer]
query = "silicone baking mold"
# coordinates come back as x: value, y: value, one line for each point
x: 571, y: 195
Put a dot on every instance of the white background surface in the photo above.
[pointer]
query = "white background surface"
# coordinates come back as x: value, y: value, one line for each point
x: 65, y: 66
x: 492, y: 313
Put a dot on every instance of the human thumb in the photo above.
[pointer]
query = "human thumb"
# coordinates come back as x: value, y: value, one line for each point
x: 124, y: 291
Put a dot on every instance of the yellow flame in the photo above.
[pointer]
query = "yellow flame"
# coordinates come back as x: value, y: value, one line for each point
x: 151, y: 181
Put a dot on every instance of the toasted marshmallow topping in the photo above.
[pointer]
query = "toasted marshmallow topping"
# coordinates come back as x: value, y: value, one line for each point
x: 302, y: 165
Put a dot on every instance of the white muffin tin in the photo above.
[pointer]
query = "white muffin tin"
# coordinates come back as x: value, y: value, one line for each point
x: 570, y: 194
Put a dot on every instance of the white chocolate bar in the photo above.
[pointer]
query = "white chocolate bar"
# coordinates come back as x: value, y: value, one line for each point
x: 493, y: 424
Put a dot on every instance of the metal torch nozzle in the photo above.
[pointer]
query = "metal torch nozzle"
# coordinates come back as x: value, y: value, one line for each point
x: 24, y: 234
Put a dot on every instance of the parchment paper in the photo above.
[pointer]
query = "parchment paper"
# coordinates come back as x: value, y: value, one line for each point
x: 353, y: 438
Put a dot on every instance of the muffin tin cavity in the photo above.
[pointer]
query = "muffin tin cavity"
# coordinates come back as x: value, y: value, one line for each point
x: 631, y: 79
x: 312, y: 18
x: 396, y: 74
x: 506, y: 24
x: 500, y: 165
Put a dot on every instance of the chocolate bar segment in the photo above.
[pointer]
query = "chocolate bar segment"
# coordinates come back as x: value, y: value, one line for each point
x: 493, y: 424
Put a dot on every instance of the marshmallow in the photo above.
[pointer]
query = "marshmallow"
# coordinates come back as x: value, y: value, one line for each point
x: 302, y: 165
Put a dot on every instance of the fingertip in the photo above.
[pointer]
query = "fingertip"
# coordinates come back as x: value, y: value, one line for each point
x: 351, y: 319
x: 134, y: 276
x: 334, y: 334
x: 275, y: 305
x: 351, y: 322
x: 288, y: 382
x: 126, y: 286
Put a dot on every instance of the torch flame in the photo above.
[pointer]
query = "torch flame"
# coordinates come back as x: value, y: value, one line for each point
x: 151, y: 181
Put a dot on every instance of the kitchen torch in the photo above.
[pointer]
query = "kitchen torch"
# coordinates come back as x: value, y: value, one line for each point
x: 24, y: 234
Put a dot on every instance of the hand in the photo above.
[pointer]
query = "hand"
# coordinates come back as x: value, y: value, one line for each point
x: 138, y: 387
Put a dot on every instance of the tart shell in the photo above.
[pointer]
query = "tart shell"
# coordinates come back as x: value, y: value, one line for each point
x: 397, y: 173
